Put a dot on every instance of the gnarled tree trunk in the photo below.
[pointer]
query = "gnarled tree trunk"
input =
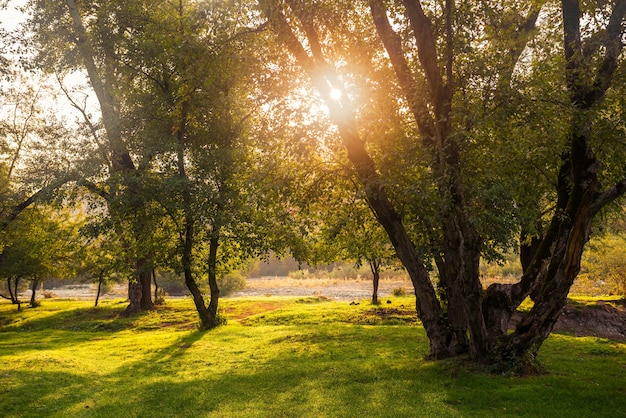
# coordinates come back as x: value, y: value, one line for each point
x: 551, y: 264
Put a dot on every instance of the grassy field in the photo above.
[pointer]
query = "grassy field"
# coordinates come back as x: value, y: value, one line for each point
x: 278, y: 357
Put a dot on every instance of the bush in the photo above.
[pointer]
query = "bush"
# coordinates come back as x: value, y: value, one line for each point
x: 399, y: 291
x: 171, y: 284
x: 231, y: 283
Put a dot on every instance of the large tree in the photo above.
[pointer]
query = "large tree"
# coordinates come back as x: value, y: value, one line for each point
x: 465, y: 73
x: 190, y: 79
x: 93, y: 40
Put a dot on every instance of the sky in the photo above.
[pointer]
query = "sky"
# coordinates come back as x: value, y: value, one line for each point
x: 10, y: 17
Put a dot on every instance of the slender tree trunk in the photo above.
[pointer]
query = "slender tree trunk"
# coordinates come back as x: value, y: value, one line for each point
x: 212, y: 274
x: 375, y: 268
x: 100, y: 279
x: 16, y: 283
x: 208, y: 318
x: 11, y: 294
x: 208, y: 315
x: 156, y: 286
x: 33, y: 295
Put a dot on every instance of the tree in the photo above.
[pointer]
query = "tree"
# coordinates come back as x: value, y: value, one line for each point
x: 93, y: 37
x: 40, y: 245
x: 454, y: 64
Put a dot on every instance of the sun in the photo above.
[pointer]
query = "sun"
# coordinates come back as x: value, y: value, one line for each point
x: 335, y: 94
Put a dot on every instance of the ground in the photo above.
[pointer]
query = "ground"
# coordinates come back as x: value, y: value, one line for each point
x: 600, y: 318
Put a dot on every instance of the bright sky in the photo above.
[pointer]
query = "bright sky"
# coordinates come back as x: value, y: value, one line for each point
x: 10, y: 17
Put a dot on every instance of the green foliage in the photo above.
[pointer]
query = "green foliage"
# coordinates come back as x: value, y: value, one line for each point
x: 42, y: 243
x: 603, y: 268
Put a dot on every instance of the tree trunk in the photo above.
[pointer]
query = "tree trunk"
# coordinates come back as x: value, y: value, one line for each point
x: 207, y: 320
x: 33, y: 296
x: 16, y: 283
x: 145, y: 277
x: 100, y: 279
x: 156, y: 286
x: 11, y: 294
x: 134, y: 296
x: 212, y: 275
x: 426, y: 302
x: 375, y: 267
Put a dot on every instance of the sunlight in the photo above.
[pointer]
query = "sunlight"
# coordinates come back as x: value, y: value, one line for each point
x: 335, y: 94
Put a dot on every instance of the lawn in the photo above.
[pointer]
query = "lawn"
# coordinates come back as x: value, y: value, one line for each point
x: 278, y: 357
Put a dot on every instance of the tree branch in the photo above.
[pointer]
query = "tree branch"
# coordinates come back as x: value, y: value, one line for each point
x: 393, y: 45
x: 427, y: 53
x: 94, y: 188
x: 38, y: 195
x: 608, y: 196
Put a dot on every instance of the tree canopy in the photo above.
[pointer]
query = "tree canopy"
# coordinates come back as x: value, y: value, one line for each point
x: 450, y: 131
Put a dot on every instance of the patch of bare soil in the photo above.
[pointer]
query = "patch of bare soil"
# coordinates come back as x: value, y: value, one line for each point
x: 604, y: 320
x: 600, y: 320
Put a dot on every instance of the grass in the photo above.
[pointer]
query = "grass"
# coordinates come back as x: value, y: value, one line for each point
x: 278, y: 357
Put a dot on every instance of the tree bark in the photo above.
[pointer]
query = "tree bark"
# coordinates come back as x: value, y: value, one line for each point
x: 33, y: 295
x: 212, y: 274
x: 156, y: 286
x: 100, y: 279
x: 427, y: 305
x: 121, y: 161
x: 375, y: 268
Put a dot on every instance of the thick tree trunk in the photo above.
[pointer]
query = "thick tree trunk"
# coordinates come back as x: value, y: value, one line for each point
x: 462, y: 247
x: 145, y: 277
x: 426, y: 302
x: 139, y: 289
x: 134, y: 296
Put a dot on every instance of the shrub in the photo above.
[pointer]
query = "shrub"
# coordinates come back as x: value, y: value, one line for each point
x: 231, y: 283
x: 399, y: 291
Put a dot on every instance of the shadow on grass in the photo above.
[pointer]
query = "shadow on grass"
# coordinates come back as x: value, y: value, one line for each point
x: 273, y: 370
x: 324, y: 371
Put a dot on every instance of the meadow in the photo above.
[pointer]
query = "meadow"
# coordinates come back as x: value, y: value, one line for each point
x: 279, y: 357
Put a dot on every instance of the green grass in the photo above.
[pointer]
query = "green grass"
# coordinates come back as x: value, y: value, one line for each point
x: 278, y: 357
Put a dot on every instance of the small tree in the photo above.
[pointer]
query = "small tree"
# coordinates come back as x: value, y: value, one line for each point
x: 41, y: 244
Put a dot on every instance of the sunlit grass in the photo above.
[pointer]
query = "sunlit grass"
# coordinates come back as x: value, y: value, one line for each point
x: 291, y: 357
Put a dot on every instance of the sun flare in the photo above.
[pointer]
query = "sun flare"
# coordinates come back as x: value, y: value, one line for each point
x: 335, y: 94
